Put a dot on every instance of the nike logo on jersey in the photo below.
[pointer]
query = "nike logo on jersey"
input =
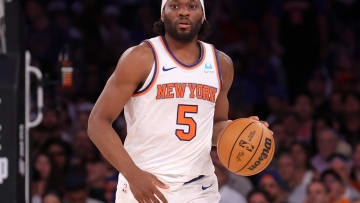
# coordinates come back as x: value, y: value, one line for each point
x: 204, y: 188
x: 167, y: 69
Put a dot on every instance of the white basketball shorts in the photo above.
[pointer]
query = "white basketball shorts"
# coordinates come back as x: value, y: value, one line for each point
x: 203, y: 190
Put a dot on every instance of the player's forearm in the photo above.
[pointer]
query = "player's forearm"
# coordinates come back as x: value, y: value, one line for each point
x: 109, y: 144
x: 219, y: 126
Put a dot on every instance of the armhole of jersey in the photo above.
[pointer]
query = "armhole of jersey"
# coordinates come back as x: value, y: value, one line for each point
x: 150, y: 80
x: 216, y: 59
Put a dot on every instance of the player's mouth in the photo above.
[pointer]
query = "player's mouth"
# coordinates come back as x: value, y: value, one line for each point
x: 184, y: 24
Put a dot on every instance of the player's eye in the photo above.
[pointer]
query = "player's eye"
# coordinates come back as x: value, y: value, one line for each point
x: 193, y: 6
x: 173, y: 6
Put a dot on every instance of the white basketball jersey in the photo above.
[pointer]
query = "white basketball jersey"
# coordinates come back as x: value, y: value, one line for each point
x: 170, y: 119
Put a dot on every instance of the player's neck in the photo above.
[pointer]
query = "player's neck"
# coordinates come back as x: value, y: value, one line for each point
x: 188, y: 53
x: 176, y: 44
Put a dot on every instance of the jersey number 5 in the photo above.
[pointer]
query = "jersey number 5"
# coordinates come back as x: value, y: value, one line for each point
x: 182, y: 119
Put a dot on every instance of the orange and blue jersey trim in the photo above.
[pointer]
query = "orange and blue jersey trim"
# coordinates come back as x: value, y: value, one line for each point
x: 216, y: 58
x: 178, y: 62
x: 155, y: 74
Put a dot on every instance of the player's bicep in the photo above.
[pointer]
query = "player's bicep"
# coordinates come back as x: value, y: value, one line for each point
x: 222, y: 102
x: 130, y: 71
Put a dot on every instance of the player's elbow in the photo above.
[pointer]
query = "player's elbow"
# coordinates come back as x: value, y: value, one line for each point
x: 93, y: 126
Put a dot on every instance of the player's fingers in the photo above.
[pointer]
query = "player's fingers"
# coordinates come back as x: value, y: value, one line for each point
x: 265, y: 123
x: 154, y: 199
x: 160, y: 196
x: 254, y: 117
x: 272, y: 133
x: 229, y: 121
x: 158, y: 183
x: 143, y: 199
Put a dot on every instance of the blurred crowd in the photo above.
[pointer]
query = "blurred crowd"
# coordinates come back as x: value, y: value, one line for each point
x: 296, y: 66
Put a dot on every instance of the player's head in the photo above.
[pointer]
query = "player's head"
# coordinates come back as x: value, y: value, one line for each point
x: 183, y: 20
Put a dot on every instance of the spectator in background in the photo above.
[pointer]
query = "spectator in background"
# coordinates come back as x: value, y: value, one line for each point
x: 291, y: 122
x: 317, y: 193
x: 351, y: 117
x: 84, y: 109
x: 304, y: 109
x: 303, y: 172
x: 49, y: 125
x: 336, y: 104
x: 277, y: 105
x: 116, y: 38
x: 319, y: 89
x: 110, y: 187
x: 60, y: 152
x: 258, y: 196
x: 271, y: 183
x: 355, y: 200
x: 341, y: 165
x: 283, y: 140
x: 294, y: 183
x: 352, y: 128
x: 335, y: 186
x: 97, y: 171
x: 44, y: 176
x: 82, y: 146
x: 327, y: 142
x: 52, y: 197
x: 351, y: 104
x: 44, y: 38
x: 64, y: 124
x: 355, y: 171
x: 76, y: 190
x: 300, y: 28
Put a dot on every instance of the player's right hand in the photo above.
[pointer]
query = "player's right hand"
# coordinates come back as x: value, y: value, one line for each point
x: 144, y: 185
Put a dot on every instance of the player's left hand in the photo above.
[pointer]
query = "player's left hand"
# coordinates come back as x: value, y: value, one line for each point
x: 266, y: 124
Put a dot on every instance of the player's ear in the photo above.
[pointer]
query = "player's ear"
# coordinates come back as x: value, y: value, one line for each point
x: 202, y: 20
x: 162, y: 17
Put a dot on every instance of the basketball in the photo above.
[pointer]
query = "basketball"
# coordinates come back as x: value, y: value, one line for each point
x: 246, y: 147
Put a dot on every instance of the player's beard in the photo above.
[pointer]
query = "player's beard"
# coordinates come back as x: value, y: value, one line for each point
x: 170, y: 28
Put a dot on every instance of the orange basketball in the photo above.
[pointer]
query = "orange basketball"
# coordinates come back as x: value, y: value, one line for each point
x: 246, y: 147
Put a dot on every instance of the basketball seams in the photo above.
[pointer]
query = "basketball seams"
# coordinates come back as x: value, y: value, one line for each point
x: 236, y: 142
x: 262, y: 134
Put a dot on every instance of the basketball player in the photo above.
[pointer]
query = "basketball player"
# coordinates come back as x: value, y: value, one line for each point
x: 173, y: 89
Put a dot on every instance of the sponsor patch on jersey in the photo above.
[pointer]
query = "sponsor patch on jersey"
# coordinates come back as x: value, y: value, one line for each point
x: 209, y: 68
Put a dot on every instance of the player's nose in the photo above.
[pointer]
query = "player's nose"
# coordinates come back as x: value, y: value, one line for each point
x: 184, y: 11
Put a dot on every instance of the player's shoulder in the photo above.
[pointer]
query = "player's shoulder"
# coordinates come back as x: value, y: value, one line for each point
x: 226, y: 65
x: 225, y: 60
x: 136, y: 60
x: 139, y: 53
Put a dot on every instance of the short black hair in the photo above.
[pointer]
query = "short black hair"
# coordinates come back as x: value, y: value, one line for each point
x: 261, y: 191
x: 333, y: 173
x: 316, y: 182
x: 205, y: 30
